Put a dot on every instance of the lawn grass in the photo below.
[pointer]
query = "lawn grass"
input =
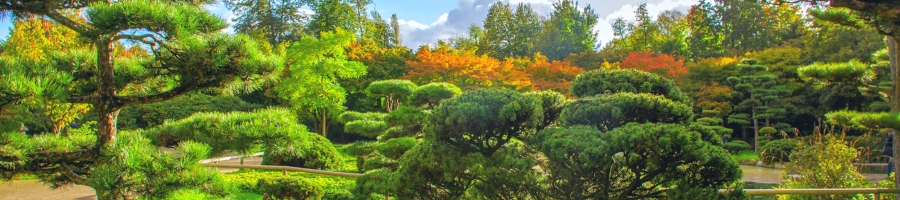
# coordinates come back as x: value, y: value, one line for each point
x: 744, y: 156
x: 334, y: 187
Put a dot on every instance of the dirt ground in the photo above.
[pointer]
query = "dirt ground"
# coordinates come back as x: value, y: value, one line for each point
x: 34, y: 190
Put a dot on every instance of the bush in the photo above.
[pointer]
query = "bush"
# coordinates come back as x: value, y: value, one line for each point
x: 286, y: 142
x: 394, y: 148
x: 837, y: 172
x: 149, y: 115
x: 779, y: 150
x: 736, y: 146
x: 288, y: 188
x: 612, y: 81
x: 314, y: 152
x: 334, y: 188
x: 430, y: 95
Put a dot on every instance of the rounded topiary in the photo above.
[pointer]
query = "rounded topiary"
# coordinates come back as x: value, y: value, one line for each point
x: 607, y: 112
x: 736, y: 146
x: 287, y: 187
x: 394, y: 148
x: 779, y: 150
x: 767, y: 131
x: 483, y: 120
x: 430, y: 95
x: 314, y: 151
x: 627, y: 80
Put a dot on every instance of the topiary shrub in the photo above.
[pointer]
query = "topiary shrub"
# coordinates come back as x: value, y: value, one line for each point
x: 394, y: 148
x: 779, y: 150
x: 286, y: 187
x: 627, y: 80
x: 430, y: 95
x: 315, y: 152
x: 736, y: 146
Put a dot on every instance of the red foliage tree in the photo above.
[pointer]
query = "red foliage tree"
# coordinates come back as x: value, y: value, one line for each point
x: 662, y: 64
x: 465, y: 70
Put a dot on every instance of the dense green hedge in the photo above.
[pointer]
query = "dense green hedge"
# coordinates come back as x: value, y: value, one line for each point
x: 287, y: 187
x: 736, y: 146
x: 276, y: 130
x: 149, y: 115
x: 333, y: 188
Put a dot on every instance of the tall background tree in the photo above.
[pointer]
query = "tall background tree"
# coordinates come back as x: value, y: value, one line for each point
x: 276, y: 20
x: 570, y: 29
x: 312, y: 88
x: 188, y: 53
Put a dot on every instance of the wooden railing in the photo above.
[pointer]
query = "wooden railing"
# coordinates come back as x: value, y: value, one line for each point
x: 876, y: 191
x: 284, y: 169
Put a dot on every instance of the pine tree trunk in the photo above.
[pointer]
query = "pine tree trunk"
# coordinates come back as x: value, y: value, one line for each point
x: 755, y: 132
x: 107, y: 106
x: 894, y: 98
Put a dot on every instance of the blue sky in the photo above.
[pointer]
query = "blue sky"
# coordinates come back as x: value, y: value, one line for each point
x: 426, y: 21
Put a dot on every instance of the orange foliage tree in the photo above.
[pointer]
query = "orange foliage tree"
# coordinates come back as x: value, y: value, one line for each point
x: 547, y: 75
x: 465, y: 70
x: 662, y: 64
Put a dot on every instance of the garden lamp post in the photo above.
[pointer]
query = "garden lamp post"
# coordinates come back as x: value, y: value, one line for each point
x: 23, y: 128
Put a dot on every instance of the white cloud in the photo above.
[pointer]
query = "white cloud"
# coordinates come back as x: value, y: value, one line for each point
x: 468, y: 12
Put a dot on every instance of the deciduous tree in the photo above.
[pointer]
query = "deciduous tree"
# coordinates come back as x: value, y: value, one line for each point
x: 317, y: 64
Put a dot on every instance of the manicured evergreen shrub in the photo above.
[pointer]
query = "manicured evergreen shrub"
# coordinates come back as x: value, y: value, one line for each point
x: 779, y: 150
x: 286, y: 187
x: 736, y: 146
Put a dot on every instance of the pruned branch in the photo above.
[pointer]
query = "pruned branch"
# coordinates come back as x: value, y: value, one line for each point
x: 65, y: 21
x: 175, y: 92
x: 148, y: 39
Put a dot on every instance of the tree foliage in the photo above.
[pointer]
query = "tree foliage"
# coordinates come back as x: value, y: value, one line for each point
x: 612, y: 81
x: 569, y: 30
x: 316, y: 66
x: 465, y: 70
x: 662, y: 64
x: 186, y: 52
x: 278, y: 21
x: 482, y: 121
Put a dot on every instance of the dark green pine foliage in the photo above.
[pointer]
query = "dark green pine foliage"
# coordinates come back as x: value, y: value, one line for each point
x: 757, y: 94
x: 185, y: 52
x: 626, y: 143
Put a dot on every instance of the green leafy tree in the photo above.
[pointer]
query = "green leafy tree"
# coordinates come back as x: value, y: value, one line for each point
x: 509, y: 33
x: 569, y: 30
x: 317, y: 64
x: 277, y: 21
x: 882, y: 17
x: 757, y: 94
x: 187, y: 53
x: 705, y: 39
x: 331, y: 15
x: 393, y: 91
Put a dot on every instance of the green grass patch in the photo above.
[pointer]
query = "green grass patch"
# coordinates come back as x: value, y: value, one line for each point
x: 745, y: 156
x: 334, y: 187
